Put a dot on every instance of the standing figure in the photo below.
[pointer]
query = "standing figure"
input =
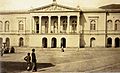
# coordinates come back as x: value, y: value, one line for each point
x: 62, y: 47
x: 34, y: 67
x: 12, y: 50
x: 27, y: 59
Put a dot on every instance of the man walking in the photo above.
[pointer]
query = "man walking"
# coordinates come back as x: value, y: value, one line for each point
x: 27, y: 59
x: 34, y: 67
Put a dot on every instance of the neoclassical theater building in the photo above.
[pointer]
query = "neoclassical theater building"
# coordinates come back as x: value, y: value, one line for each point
x: 56, y: 25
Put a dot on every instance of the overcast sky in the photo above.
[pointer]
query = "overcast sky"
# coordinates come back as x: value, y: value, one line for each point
x: 27, y: 4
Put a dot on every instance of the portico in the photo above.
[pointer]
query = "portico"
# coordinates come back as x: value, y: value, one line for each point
x: 56, y: 24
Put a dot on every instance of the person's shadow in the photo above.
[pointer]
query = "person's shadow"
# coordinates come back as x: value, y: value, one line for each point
x: 14, y: 67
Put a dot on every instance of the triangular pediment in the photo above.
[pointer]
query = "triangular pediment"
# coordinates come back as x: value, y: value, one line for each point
x: 55, y: 7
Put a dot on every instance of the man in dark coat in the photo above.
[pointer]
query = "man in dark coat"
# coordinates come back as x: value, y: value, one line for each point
x: 34, y: 68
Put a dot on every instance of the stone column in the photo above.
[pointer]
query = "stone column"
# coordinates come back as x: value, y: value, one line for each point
x: 33, y: 25
x: 68, y: 24
x: 40, y: 24
x: 78, y: 23
x: 3, y: 29
x: 113, y: 23
x: 113, y: 42
x: 49, y: 24
x: 58, y: 24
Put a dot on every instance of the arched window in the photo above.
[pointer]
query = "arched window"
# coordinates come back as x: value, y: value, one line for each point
x: 117, y: 25
x: 21, y: 42
x: 21, y: 25
x: 7, y: 26
x: 109, y: 42
x: 1, y: 26
x: 117, y: 42
x: 7, y: 42
x: 53, y: 43
x: 109, y: 25
x: 92, y: 42
x: 92, y: 25
x: 44, y: 42
x: 63, y: 42
x: 74, y: 25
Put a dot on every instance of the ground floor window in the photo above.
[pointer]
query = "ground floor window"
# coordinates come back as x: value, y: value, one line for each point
x: 54, y: 43
x: 109, y: 42
x: 21, y: 42
x: 92, y: 42
x: 44, y: 42
x: 117, y: 42
x: 7, y: 42
x: 63, y: 42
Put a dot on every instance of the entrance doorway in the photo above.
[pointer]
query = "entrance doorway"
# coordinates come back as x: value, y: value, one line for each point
x: 109, y: 42
x: 117, y: 42
x: 92, y: 42
x: 21, y: 42
x: 44, y: 42
x: 54, y: 42
x: 7, y: 42
x: 63, y: 42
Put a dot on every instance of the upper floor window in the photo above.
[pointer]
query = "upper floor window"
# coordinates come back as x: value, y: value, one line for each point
x: 109, y: 25
x: 92, y: 25
x: 46, y: 27
x: 117, y: 25
x: 7, y: 26
x: 74, y: 25
x: 1, y: 26
x: 21, y: 25
x: 64, y: 26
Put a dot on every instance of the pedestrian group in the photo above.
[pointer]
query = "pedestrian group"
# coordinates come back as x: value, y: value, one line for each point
x: 31, y: 66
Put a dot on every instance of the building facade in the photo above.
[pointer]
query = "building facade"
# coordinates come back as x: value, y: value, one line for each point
x: 55, y: 25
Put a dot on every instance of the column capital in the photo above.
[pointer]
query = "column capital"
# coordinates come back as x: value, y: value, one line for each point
x: 49, y: 16
x: 68, y: 15
x: 59, y: 16
x: 40, y: 16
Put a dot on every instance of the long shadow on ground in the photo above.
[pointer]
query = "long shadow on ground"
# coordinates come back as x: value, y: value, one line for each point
x: 15, y: 67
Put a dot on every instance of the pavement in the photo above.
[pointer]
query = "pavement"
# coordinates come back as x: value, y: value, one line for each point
x: 72, y: 60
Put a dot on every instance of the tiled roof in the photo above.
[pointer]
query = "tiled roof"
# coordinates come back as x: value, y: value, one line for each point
x: 111, y: 6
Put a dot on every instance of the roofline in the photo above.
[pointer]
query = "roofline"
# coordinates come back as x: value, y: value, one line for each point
x: 15, y: 12
x: 56, y: 5
x: 51, y: 11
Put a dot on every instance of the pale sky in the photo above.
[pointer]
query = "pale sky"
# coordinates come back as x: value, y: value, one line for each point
x: 28, y: 4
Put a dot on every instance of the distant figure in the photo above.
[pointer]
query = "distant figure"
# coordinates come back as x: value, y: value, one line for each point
x: 2, y: 51
x: 34, y: 67
x: 62, y: 47
x: 12, y: 50
x: 28, y: 59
